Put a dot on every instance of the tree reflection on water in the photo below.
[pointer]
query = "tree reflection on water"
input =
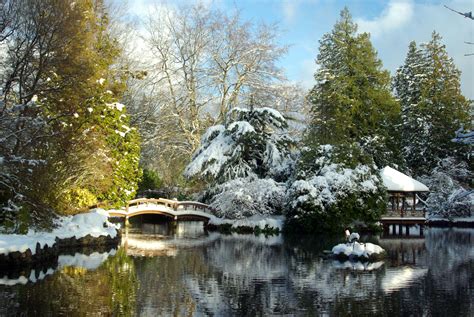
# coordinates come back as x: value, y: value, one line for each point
x: 186, y: 273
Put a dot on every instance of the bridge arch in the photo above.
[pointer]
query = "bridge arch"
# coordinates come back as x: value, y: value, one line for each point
x: 176, y: 210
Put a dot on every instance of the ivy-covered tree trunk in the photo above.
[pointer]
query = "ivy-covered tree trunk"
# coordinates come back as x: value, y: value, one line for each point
x: 61, y: 115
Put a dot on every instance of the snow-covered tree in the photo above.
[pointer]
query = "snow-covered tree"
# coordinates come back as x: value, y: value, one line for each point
x: 351, y: 99
x: 251, y: 143
x: 290, y: 100
x: 353, y: 128
x: 202, y: 62
x: 428, y: 87
x: 450, y: 195
x: 243, y: 161
x: 245, y: 197
x: 330, y: 191
x: 464, y: 137
x: 408, y: 85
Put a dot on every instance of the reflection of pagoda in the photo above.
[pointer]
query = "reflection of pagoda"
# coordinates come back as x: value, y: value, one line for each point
x: 403, y: 251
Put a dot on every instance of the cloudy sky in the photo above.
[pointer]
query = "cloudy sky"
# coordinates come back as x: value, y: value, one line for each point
x: 392, y: 25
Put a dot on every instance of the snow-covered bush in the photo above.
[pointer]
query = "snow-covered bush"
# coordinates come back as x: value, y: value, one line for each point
x: 464, y: 136
x: 251, y: 143
x: 245, y: 197
x: 330, y: 193
x: 244, y: 161
x: 448, y: 196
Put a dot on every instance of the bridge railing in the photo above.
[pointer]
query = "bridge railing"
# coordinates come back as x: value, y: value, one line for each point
x: 173, y: 204
x: 146, y: 201
x: 195, y: 205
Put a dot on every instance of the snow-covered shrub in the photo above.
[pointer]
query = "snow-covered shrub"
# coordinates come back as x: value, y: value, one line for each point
x: 464, y: 136
x: 244, y: 162
x: 448, y: 196
x: 245, y: 197
x: 251, y: 143
x: 330, y: 193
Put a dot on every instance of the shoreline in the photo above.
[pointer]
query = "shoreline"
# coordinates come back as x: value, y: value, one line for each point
x: 447, y: 223
x: 89, y: 230
x: 37, y: 255
x: 48, y: 255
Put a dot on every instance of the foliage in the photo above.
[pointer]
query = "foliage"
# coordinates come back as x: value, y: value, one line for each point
x: 450, y: 191
x: 428, y: 87
x: 201, y: 63
x: 351, y: 101
x: 331, y: 192
x: 80, y: 198
x: 150, y: 180
x: 245, y: 197
x: 251, y: 143
x: 66, y: 141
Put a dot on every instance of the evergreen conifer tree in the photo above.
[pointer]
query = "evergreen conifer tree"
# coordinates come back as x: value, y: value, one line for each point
x: 408, y: 85
x: 428, y: 86
x: 353, y: 131
x: 351, y: 99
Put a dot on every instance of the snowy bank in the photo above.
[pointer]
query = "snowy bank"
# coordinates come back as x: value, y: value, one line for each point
x: 253, y: 224
x: 89, y: 262
x: 356, y: 250
x: 463, y: 222
x: 92, y: 228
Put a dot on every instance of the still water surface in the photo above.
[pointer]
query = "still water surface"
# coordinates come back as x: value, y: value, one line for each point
x: 162, y: 270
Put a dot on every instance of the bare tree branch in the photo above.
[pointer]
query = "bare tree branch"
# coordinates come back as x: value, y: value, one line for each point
x: 466, y: 14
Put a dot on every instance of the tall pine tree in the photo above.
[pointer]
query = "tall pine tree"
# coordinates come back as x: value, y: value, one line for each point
x: 408, y: 85
x: 351, y: 100
x: 353, y: 130
x: 428, y: 87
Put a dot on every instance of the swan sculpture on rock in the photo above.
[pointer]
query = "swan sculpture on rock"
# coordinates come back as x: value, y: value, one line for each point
x: 355, y: 250
x: 351, y: 237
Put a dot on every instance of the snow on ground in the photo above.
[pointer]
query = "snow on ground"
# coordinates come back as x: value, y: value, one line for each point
x: 273, y: 222
x: 357, y: 249
x: 94, y: 223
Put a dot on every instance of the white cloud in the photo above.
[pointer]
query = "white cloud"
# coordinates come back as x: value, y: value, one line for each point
x: 289, y: 9
x: 402, y: 22
x: 395, y: 16
x: 307, y: 69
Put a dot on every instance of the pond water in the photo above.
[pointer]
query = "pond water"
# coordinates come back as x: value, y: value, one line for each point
x: 181, y: 270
